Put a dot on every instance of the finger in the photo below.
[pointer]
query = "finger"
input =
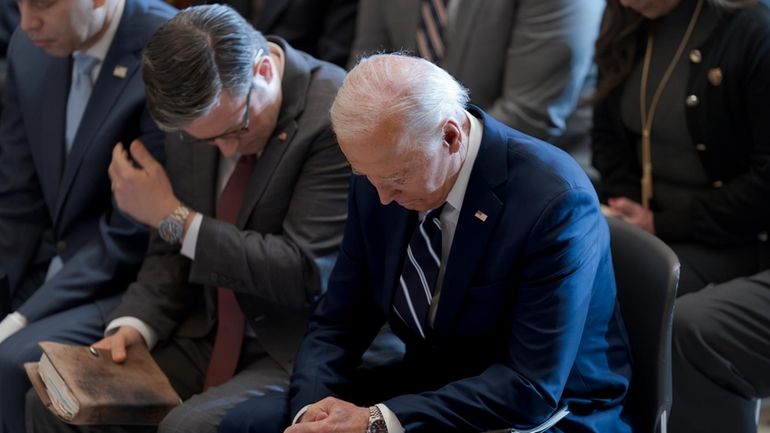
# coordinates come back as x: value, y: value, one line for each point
x: 118, y: 348
x: 120, y: 166
x: 625, y: 207
x: 104, y: 343
x: 142, y: 156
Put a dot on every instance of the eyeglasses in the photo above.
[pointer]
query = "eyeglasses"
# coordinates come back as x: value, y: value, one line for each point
x: 241, y: 128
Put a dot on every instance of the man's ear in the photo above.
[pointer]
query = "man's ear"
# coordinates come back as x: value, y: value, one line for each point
x: 264, y: 68
x: 453, y: 135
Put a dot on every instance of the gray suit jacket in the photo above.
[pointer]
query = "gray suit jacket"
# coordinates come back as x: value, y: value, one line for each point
x: 292, y: 219
x: 524, y: 61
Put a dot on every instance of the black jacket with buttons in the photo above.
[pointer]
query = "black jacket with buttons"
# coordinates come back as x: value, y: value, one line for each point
x: 730, y: 127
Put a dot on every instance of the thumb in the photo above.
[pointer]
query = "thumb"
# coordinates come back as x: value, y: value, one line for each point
x: 118, y: 347
x: 142, y: 156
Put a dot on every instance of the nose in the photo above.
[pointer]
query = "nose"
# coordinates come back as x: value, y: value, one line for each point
x: 29, y: 19
x: 227, y: 146
x: 387, y: 194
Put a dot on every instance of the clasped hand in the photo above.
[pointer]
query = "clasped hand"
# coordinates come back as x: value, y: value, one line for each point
x: 141, y: 187
x: 332, y: 415
x: 632, y: 213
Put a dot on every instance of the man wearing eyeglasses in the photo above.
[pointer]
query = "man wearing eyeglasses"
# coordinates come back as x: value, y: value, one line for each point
x: 247, y: 213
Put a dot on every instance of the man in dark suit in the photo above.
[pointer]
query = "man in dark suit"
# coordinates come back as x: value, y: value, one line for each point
x: 258, y: 112
x: 510, y: 319
x: 66, y: 253
x: 321, y: 28
x: 526, y: 62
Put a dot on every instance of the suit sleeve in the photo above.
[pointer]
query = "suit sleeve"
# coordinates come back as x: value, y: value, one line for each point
x: 549, y: 316
x: 280, y: 267
x: 23, y: 212
x: 343, y: 325
x: 614, y: 154
x: 549, y: 58
x: 101, y: 265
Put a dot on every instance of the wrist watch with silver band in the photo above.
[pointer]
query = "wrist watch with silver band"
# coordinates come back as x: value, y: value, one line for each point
x: 376, y: 421
x: 171, y: 228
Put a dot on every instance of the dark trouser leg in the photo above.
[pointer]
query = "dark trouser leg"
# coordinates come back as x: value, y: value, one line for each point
x: 721, y: 356
x: 81, y: 325
x: 265, y: 414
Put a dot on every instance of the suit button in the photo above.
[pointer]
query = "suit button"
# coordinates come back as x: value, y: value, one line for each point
x: 715, y: 76
x: 762, y: 236
x: 700, y: 147
x: 717, y: 184
x: 695, y: 56
x: 692, y: 101
x: 61, y: 247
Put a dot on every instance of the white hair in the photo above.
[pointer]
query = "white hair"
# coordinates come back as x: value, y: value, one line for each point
x: 396, y: 89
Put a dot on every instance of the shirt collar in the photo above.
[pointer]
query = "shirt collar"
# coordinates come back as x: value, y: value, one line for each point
x: 457, y: 193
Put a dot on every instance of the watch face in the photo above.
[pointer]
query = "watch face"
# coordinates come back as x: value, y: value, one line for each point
x: 378, y: 426
x: 170, y: 231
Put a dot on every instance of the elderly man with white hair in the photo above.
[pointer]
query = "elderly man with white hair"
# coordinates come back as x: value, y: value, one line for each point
x: 485, y: 251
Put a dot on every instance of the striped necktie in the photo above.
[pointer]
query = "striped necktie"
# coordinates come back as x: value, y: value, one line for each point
x: 413, y: 296
x: 430, y: 32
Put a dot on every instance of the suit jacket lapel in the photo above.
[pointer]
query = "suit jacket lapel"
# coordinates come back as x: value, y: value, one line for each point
x: 52, y: 96
x: 205, y: 165
x: 458, y: 37
x: 401, y: 224
x: 124, y: 52
x: 474, y: 233
x: 267, y: 163
x: 294, y: 84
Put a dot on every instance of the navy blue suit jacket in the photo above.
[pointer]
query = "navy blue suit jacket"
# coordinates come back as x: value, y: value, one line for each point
x: 527, y: 322
x: 53, y: 203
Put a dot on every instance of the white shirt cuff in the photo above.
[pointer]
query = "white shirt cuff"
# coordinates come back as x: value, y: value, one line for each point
x: 149, y: 334
x: 191, y: 237
x: 11, y: 324
x: 299, y: 414
x: 391, y: 421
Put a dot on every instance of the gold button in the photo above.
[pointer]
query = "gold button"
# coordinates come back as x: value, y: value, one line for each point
x: 692, y: 101
x: 762, y: 236
x: 61, y: 246
x: 717, y: 184
x: 700, y: 147
x: 695, y: 56
x: 715, y: 76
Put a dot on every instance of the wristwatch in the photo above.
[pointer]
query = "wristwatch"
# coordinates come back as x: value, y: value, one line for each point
x: 171, y: 228
x: 376, y: 421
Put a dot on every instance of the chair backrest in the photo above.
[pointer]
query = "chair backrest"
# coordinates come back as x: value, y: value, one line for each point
x: 647, y: 274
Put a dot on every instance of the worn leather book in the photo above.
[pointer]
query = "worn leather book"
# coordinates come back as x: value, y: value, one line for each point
x: 82, y: 386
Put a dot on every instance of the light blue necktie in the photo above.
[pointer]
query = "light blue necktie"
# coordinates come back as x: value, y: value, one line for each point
x: 80, y: 91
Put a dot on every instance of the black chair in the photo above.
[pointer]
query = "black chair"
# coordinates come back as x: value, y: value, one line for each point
x: 647, y: 274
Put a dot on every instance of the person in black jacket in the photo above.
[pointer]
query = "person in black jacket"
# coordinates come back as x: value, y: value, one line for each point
x: 681, y: 140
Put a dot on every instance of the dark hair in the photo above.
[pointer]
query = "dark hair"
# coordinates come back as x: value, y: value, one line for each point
x: 619, y: 42
x: 192, y: 58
